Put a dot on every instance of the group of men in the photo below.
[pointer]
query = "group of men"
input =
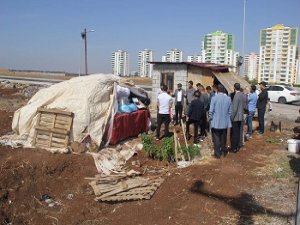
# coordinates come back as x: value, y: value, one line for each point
x: 215, y: 111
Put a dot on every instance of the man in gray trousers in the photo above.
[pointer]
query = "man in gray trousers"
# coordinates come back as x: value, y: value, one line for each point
x: 237, y: 117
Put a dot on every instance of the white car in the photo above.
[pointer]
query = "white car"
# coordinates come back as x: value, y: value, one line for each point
x: 283, y: 94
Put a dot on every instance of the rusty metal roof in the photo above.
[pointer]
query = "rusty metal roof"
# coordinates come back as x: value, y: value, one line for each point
x: 212, y: 66
x: 229, y: 79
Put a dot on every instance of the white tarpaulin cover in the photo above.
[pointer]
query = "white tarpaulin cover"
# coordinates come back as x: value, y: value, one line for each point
x: 91, y: 98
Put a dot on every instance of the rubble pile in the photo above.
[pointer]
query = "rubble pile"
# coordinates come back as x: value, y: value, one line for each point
x: 29, y: 90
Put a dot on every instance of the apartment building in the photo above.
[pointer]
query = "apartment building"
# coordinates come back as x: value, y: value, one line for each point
x: 277, y: 57
x: 218, y: 47
x: 298, y: 66
x: 120, y: 63
x: 251, y: 66
x: 174, y: 55
x: 194, y: 58
x: 145, y: 68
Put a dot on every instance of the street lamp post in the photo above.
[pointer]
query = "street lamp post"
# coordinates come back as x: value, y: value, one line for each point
x: 244, y: 28
x: 84, y: 37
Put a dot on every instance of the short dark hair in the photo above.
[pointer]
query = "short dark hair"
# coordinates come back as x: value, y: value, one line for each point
x: 164, y: 87
x: 198, y: 84
x: 221, y: 88
x: 197, y: 94
x: 263, y: 83
x: 191, y: 82
x: 208, y: 88
x: 179, y: 84
x: 237, y: 86
x: 253, y: 88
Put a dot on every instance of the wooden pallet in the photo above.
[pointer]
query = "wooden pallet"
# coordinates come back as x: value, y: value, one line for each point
x: 137, y: 193
x: 53, y: 128
x: 121, y: 188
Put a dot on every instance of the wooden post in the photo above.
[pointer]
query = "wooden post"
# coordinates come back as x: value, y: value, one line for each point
x: 176, y: 145
x: 186, y: 144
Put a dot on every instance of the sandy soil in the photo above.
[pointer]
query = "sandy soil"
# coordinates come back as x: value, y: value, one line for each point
x: 254, y: 186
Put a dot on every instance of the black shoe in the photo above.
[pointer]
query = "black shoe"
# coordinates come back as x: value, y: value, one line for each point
x: 235, y: 150
x: 216, y: 156
x: 225, y: 153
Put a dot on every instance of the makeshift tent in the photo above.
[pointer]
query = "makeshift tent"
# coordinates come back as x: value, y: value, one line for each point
x: 91, y: 98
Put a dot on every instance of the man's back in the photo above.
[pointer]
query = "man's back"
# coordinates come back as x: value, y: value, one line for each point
x: 164, y: 101
x: 220, y: 111
x: 238, y: 107
x: 196, y: 110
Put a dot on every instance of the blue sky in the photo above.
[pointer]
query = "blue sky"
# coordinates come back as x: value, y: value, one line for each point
x: 45, y: 35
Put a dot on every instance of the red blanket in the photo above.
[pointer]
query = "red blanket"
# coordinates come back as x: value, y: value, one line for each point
x: 129, y: 125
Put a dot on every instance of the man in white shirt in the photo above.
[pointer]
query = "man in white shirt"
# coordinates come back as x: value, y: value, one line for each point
x: 164, y: 105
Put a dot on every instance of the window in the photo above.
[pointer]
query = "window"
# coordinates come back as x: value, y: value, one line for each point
x: 277, y: 88
x: 168, y: 79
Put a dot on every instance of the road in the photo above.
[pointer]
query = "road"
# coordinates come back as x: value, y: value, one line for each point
x: 30, y: 80
x: 286, y: 111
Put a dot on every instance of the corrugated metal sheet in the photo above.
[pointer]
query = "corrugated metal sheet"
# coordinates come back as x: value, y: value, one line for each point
x: 229, y: 79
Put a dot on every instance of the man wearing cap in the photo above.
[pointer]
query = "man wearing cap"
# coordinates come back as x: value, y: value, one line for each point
x: 179, y: 102
x: 189, y: 94
x: 261, y: 106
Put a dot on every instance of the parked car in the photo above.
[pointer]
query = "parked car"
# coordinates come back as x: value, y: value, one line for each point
x: 283, y: 94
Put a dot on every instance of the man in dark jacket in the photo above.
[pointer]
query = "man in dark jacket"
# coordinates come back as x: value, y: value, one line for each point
x: 179, y: 95
x: 195, y: 115
x: 261, y: 106
x: 237, y: 117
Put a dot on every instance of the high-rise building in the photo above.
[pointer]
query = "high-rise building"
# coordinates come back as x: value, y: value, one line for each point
x: 194, y: 58
x: 277, y: 57
x: 174, y: 55
x: 120, y: 63
x: 145, y: 68
x: 251, y: 66
x: 298, y: 67
x: 218, y: 47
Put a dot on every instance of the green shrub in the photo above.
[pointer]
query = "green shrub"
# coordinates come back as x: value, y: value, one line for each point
x: 166, y: 150
x: 192, y: 150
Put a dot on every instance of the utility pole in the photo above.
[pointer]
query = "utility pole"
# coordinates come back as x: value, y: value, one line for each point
x: 244, y: 29
x: 84, y: 37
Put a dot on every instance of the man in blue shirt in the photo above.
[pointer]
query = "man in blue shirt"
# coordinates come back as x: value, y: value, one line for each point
x: 252, y: 101
x: 219, y: 116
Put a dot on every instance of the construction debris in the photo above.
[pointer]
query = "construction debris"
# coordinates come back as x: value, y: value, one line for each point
x: 126, y: 186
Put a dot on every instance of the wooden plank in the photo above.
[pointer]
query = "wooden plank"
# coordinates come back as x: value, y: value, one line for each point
x: 186, y: 144
x: 42, y: 132
x: 63, y: 118
x: 58, y: 140
x: 42, y: 136
x: 57, y: 145
x: 123, y: 198
x: 65, y: 127
x: 176, y: 145
x: 35, y: 132
x: 55, y: 130
x: 42, y: 143
x: 56, y: 135
x: 55, y: 111
x: 46, y: 118
x: 66, y: 123
x: 45, y: 124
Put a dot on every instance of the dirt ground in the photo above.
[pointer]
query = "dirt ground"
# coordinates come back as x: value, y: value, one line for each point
x: 254, y: 186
